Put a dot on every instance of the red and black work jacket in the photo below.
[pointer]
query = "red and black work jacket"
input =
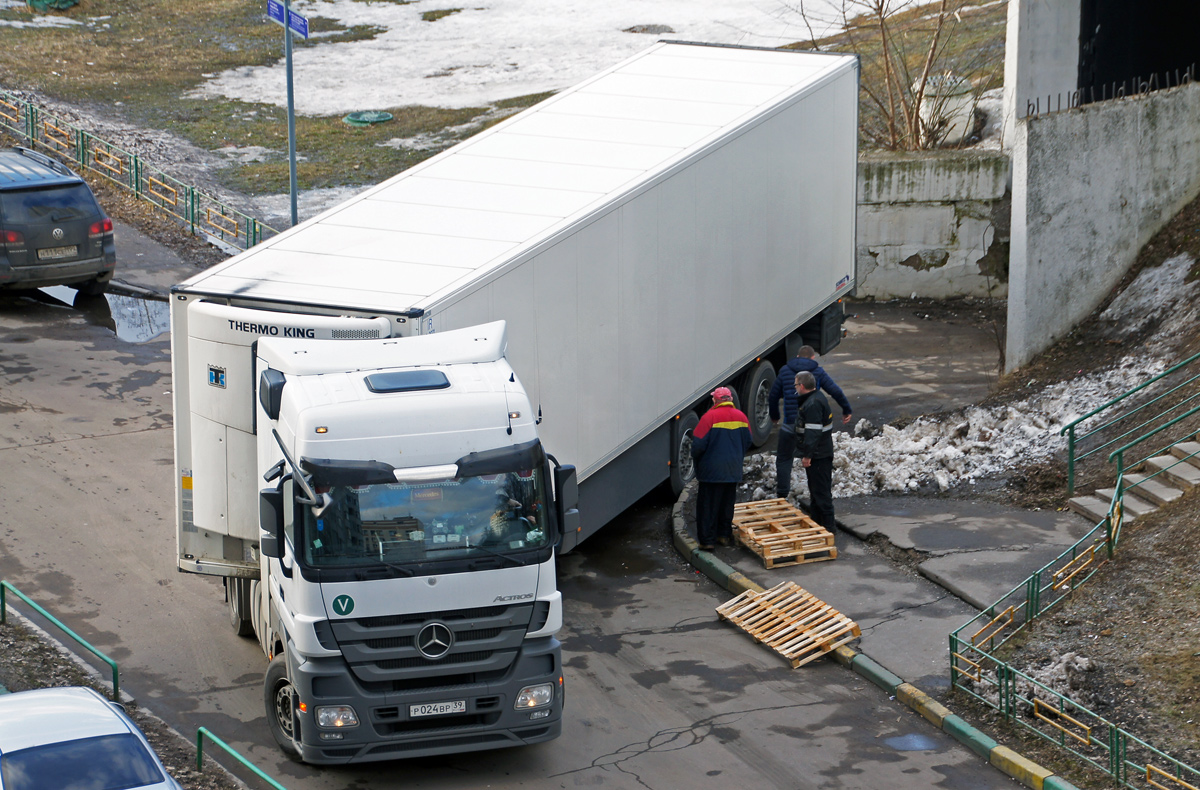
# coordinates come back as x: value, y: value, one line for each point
x: 719, y: 443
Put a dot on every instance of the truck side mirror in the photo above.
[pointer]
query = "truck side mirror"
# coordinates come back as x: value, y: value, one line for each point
x: 270, y: 391
x: 566, y: 503
x: 270, y: 520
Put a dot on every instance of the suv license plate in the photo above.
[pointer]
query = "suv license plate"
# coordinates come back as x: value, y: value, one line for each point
x: 54, y: 253
x: 437, y: 708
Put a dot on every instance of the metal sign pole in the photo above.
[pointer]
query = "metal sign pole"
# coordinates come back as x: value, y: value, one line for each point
x: 291, y: 106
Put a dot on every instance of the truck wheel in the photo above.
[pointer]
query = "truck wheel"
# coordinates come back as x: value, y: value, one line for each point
x: 683, y: 469
x: 237, y: 596
x: 279, y: 696
x: 755, y: 395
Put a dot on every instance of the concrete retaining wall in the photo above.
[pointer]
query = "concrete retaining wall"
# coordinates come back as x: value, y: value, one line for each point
x: 934, y: 224
x: 1089, y: 188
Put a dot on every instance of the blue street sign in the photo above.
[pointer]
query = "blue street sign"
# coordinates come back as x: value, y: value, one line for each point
x: 297, y: 23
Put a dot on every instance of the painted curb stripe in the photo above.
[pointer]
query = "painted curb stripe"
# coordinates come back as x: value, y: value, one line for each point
x: 968, y: 736
x: 875, y: 673
x: 933, y: 711
x: 1023, y: 770
x: 1057, y: 783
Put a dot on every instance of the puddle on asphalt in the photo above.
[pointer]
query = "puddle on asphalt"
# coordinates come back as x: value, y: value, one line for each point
x: 133, y: 319
x: 912, y: 743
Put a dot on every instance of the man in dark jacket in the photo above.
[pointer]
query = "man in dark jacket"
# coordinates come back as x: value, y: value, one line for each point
x: 816, y: 447
x: 784, y: 388
x: 719, y: 443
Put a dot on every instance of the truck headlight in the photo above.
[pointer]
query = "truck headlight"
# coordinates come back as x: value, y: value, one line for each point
x: 336, y: 716
x: 535, y: 696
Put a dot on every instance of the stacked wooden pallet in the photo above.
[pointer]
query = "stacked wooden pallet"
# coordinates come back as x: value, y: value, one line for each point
x: 791, y: 621
x: 780, y: 534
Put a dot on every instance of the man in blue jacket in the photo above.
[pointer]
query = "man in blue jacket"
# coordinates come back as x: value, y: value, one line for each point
x: 719, y: 443
x: 785, y: 388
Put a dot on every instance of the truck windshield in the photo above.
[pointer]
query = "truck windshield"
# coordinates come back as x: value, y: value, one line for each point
x: 401, y: 524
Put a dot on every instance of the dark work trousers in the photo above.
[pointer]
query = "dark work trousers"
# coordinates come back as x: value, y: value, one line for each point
x: 784, y: 455
x: 820, y: 489
x: 714, y: 512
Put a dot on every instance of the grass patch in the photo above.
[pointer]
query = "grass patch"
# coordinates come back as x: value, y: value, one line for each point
x: 142, y: 60
x: 433, y: 16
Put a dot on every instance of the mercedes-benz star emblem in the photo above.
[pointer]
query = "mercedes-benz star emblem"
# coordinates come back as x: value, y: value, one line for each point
x: 434, y: 640
x: 57, y: 233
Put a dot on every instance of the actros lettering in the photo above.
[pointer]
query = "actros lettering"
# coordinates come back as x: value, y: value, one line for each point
x: 270, y: 330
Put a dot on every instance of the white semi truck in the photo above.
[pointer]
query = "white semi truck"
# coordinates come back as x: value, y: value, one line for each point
x: 392, y: 417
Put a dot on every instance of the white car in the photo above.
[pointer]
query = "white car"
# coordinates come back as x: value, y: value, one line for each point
x: 74, y: 739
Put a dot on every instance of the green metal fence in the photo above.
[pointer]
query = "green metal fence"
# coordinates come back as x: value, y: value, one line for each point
x: 1112, y: 431
x: 5, y: 586
x: 203, y: 733
x: 977, y: 670
x: 199, y: 212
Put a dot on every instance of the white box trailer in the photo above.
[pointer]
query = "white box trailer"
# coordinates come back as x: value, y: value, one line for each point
x: 662, y: 228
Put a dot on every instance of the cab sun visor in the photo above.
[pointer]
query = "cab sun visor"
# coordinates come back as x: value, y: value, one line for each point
x: 331, y: 472
x: 527, y: 455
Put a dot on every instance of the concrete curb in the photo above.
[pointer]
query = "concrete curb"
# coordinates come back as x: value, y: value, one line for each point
x: 1005, y: 759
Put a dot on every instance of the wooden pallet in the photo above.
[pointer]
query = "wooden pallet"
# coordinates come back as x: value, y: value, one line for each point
x: 780, y: 534
x: 791, y: 621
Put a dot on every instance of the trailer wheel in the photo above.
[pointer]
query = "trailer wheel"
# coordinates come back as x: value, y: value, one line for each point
x: 683, y: 468
x: 755, y: 399
x: 279, y: 695
x: 237, y: 596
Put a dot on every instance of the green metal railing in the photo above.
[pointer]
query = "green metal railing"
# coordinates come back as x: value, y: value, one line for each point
x: 5, y: 586
x: 977, y: 670
x: 195, y: 209
x: 1118, y: 455
x: 203, y: 733
x: 1075, y: 439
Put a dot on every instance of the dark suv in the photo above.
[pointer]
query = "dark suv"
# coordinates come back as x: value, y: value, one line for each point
x: 52, y: 230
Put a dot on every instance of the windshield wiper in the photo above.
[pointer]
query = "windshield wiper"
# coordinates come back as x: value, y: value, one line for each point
x: 400, y: 569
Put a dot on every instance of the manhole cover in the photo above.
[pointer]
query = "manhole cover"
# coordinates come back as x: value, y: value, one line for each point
x: 367, y: 118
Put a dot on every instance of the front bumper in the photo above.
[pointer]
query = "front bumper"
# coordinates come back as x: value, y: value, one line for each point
x: 387, y: 732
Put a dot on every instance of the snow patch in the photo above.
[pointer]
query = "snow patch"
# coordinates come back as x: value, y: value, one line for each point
x: 1155, y: 291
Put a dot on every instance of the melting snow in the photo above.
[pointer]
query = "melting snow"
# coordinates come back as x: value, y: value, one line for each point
x: 964, y: 446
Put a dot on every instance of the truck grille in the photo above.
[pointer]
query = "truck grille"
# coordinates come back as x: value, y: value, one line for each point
x: 383, y: 651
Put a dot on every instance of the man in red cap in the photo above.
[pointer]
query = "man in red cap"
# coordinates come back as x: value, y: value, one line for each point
x: 719, y: 443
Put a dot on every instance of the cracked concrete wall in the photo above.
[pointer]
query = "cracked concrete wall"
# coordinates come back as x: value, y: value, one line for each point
x: 1090, y: 187
x: 934, y: 224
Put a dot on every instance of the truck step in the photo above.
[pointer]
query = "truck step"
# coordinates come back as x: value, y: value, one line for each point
x: 1176, y: 472
x: 1187, y: 451
x: 1135, y: 506
x: 1092, y: 508
x: 1153, y: 489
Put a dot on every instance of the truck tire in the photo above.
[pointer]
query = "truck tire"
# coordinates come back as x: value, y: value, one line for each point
x: 279, y: 696
x: 682, y: 467
x: 755, y: 393
x: 237, y: 596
